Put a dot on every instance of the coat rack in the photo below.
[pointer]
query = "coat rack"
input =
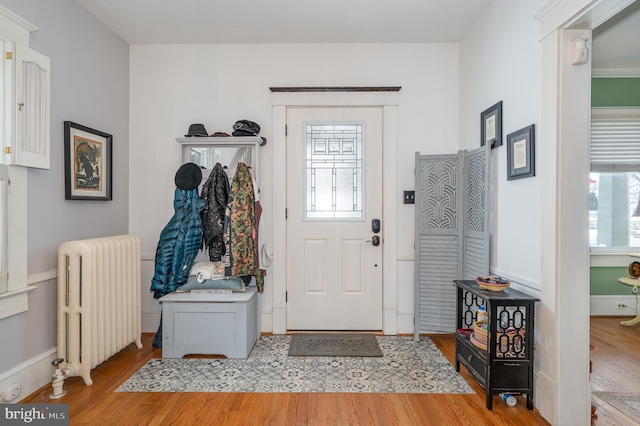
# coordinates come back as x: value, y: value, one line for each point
x: 228, y: 151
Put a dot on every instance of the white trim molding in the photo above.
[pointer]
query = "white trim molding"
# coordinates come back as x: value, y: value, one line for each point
x: 14, y: 27
x: 563, y: 395
x: 15, y: 301
x: 17, y: 19
x: 615, y: 73
x: 562, y: 14
x: 606, y: 305
x: 31, y: 374
x: 40, y: 277
x: 387, y: 99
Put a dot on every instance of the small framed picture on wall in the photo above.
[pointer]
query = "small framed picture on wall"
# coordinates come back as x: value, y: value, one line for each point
x: 87, y: 163
x: 521, y: 153
x: 491, y: 126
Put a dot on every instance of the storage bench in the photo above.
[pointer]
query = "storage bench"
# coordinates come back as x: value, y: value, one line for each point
x: 204, y: 323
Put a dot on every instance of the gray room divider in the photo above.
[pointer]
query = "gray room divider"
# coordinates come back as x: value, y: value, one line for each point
x: 451, y: 233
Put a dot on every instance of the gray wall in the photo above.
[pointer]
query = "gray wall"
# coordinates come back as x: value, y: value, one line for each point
x: 89, y: 86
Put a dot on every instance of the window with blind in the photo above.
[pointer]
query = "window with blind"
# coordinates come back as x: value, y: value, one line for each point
x: 614, y: 182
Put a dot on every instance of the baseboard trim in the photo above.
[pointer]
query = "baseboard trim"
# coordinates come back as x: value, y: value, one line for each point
x: 266, y: 322
x: 31, y: 374
x: 150, y: 322
x: 543, y: 395
x: 606, y: 305
x: 405, y: 323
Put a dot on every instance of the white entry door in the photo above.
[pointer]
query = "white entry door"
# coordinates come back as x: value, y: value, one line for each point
x: 334, y: 194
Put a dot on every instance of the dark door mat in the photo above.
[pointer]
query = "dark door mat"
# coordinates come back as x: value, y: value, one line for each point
x: 334, y: 345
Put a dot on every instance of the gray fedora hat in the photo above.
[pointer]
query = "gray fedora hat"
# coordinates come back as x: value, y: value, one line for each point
x: 197, y: 129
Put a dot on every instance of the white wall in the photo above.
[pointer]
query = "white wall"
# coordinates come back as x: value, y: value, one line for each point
x: 500, y: 61
x: 173, y: 86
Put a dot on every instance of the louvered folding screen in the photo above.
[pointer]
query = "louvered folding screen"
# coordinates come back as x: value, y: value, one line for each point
x: 452, y: 239
x: 475, y: 255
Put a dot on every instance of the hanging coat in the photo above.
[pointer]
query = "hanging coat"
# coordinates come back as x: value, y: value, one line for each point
x: 179, y: 243
x: 240, y: 233
x: 215, y: 193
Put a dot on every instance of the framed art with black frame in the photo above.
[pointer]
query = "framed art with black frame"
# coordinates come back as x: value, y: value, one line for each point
x: 491, y: 126
x: 87, y: 163
x: 521, y: 153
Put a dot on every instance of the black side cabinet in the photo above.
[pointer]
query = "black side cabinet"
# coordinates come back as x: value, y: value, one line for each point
x: 505, y: 362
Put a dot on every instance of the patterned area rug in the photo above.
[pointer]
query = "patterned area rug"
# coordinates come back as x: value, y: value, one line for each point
x: 325, y: 344
x: 627, y: 402
x: 406, y: 366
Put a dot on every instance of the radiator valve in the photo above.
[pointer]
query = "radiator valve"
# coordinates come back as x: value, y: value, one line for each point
x: 58, y: 379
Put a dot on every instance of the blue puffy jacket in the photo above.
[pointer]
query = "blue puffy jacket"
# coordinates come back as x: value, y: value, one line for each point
x: 179, y: 243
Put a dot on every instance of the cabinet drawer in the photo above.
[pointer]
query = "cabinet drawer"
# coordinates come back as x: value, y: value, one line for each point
x: 470, y: 359
x: 510, y: 374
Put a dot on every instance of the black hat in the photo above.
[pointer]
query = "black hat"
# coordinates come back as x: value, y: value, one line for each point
x: 197, y: 130
x: 188, y: 176
x: 245, y: 128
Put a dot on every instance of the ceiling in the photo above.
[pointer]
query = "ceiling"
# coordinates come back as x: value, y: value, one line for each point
x: 287, y: 21
x: 616, y: 43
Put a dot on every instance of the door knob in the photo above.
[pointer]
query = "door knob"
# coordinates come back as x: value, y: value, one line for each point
x: 375, y: 241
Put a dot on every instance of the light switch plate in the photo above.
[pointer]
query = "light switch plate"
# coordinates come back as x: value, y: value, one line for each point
x: 409, y: 197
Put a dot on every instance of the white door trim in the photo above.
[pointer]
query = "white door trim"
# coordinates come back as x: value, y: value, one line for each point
x: 388, y: 100
x: 563, y: 395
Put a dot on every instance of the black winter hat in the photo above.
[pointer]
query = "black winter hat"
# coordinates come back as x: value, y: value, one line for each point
x: 245, y: 128
x: 197, y: 130
x: 188, y: 176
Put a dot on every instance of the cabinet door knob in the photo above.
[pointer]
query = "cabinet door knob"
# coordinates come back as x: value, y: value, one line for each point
x: 20, y: 106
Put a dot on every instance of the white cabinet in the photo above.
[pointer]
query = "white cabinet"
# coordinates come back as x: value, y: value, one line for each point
x: 26, y: 87
x: 201, y: 323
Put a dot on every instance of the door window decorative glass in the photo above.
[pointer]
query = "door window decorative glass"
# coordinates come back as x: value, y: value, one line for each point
x: 333, y: 171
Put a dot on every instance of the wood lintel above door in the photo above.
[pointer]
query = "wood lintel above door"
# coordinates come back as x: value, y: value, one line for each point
x: 336, y: 89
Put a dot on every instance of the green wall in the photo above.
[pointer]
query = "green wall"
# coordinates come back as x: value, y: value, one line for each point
x: 612, y: 92
x: 603, y: 280
x: 615, y: 92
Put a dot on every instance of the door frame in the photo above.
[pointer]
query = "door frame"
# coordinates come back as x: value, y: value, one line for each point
x: 387, y: 99
x: 563, y: 395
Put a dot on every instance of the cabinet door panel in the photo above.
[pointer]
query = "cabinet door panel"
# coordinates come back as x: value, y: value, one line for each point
x: 511, y: 375
x: 470, y: 359
x: 28, y: 88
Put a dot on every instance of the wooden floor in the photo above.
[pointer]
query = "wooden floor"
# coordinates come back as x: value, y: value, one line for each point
x: 100, y: 405
x: 616, y: 365
x: 615, y: 359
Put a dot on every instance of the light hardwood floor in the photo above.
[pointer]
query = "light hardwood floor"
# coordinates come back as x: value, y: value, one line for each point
x: 616, y: 351
x: 100, y: 405
x: 616, y: 365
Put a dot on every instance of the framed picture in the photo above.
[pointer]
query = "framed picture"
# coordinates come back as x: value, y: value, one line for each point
x: 491, y: 126
x: 87, y: 163
x: 521, y: 153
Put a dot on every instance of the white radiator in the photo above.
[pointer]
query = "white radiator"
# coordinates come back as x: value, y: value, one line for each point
x: 99, y: 305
